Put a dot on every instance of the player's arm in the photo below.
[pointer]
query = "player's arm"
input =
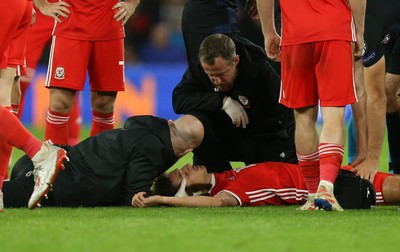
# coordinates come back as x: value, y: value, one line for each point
x: 358, y: 10
x: 222, y: 199
x: 359, y: 114
x: 271, y: 37
x: 53, y: 10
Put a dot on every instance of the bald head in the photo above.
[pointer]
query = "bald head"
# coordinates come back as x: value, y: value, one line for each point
x: 187, y: 133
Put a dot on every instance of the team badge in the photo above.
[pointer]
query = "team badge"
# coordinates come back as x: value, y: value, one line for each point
x: 386, y: 39
x: 59, y: 73
x: 244, y: 101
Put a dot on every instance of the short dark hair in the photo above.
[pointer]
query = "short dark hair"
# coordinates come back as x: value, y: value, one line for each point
x: 164, y: 187
x: 217, y: 45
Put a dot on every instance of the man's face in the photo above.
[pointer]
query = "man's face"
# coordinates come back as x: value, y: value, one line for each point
x: 222, y: 73
x: 194, y: 175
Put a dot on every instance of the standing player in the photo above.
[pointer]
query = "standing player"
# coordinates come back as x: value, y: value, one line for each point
x: 47, y: 159
x: 11, y: 13
x: 14, y: 58
x: 316, y: 58
x: 87, y: 37
x: 38, y: 37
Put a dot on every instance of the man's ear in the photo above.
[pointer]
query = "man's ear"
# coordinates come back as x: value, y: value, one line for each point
x: 237, y: 59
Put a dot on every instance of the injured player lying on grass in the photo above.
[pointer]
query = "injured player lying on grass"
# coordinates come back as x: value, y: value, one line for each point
x: 269, y: 183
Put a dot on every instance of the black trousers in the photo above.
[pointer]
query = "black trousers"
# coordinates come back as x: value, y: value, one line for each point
x: 18, y: 190
x: 223, y: 142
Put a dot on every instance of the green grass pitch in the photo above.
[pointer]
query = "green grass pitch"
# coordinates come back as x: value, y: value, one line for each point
x: 198, y: 229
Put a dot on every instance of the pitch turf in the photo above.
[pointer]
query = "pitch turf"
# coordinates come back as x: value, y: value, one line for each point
x: 198, y: 229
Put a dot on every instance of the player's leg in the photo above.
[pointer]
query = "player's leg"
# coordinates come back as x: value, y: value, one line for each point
x: 334, y: 72
x: 15, y: 62
x: 74, y: 122
x: 6, y: 82
x: 65, y: 76
x: 39, y: 36
x: 47, y: 159
x: 391, y: 190
x: 331, y: 150
x: 357, y: 128
x: 106, y: 73
x: 11, y: 13
x: 295, y: 79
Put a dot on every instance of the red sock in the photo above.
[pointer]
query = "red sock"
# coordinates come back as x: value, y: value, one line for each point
x: 56, y: 127
x: 24, y: 87
x: 101, y: 122
x: 330, y: 159
x: 74, y: 123
x: 15, y: 134
x: 309, y: 167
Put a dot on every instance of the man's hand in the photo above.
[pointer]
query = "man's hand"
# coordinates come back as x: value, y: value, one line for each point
x: 367, y: 169
x: 272, y: 48
x: 236, y: 112
x: 359, y: 47
x: 139, y: 200
x: 54, y: 10
x: 125, y: 10
x: 358, y: 159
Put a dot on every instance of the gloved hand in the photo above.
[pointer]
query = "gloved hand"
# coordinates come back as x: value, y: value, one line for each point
x: 235, y: 111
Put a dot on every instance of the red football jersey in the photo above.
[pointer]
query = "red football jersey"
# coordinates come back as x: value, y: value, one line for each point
x: 90, y: 20
x: 269, y: 183
x: 273, y: 183
x: 305, y: 21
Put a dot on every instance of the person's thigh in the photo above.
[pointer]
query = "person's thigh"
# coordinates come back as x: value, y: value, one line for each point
x: 68, y: 63
x: 106, y: 68
x: 38, y: 37
x: 11, y: 13
x: 299, y: 87
x: 16, y: 54
x: 334, y: 70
